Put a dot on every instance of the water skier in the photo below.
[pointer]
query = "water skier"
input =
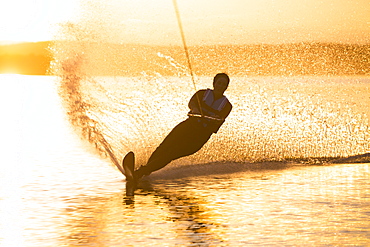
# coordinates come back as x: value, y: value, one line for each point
x: 208, y: 111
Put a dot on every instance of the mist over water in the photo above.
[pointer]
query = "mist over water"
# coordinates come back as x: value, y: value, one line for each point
x: 124, y: 97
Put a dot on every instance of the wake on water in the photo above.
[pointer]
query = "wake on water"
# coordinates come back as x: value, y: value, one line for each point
x: 119, y: 100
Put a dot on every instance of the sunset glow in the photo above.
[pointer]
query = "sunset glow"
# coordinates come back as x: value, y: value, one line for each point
x: 83, y: 83
x: 32, y: 21
x: 235, y: 21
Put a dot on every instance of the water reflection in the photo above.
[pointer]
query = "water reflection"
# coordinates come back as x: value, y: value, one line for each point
x: 321, y: 204
x: 158, y: 212
x: 194, y: 220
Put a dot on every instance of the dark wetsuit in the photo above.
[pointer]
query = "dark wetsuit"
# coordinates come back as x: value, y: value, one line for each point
x: 188, y: 136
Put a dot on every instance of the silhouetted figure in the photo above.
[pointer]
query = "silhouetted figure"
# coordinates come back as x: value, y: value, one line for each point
x: 208, y: 111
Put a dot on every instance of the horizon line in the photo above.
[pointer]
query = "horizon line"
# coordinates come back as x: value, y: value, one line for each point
x: 9, y: 42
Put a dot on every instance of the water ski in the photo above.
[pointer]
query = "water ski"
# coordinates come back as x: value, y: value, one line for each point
x: 128, y: 165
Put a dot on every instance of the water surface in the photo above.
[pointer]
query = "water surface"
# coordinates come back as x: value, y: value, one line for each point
x: 56, y: 191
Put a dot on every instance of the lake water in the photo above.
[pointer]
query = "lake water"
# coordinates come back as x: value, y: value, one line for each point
x: 261, y: 181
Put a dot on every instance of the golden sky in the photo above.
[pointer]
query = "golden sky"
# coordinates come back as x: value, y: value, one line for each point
x: 33, y: 20
x: 204, y: 21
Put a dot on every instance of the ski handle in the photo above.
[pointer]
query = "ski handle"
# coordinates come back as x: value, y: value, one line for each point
x: 204, y: 116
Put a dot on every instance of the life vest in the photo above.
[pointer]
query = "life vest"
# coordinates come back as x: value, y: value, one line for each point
x: 217, y: 105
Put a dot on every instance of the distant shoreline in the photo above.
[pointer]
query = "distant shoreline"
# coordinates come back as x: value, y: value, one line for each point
x: 296, y: 59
